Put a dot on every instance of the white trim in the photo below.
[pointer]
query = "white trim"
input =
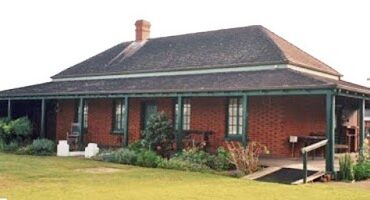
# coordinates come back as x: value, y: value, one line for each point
x: 313, y: 72
x: 176, y: 73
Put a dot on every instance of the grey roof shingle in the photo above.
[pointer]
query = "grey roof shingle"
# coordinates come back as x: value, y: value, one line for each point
x: 232, y: 81
x: 252, y: 45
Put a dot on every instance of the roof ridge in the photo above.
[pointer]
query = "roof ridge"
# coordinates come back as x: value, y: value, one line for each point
x: 267, y: 31
x: 206, y: 31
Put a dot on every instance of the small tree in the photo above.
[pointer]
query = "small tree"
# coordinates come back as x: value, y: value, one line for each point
x: 158, y: 135
x: 246, y: 159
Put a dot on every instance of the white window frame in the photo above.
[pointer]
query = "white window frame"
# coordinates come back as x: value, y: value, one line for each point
x: 119, y: 109
x: 234, y: 116
x: 186, y: 114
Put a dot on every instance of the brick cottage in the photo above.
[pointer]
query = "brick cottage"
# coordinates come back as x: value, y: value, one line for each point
x: 244, y: 84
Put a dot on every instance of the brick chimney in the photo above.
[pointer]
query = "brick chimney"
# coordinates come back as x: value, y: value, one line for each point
x: 142, y: 30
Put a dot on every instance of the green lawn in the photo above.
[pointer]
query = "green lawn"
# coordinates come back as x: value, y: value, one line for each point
x: 31, y: 177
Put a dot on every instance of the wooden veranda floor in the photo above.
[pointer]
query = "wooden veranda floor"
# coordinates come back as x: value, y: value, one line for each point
x: 317, y: 164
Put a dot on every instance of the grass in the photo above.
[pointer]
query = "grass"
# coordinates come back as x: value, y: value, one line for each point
x: 31, y: 177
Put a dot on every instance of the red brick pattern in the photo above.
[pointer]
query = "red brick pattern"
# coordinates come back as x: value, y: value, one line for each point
x: 100, y: 123
x: 271, y: 119
x: 134, y: 116
x: 209, y: 114
x: 65, y: 117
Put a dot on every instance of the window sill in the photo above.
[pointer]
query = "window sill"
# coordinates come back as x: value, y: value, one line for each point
x: 233, y: 138
x: 118, y: 132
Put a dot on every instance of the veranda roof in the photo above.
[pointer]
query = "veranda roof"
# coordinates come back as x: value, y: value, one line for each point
x: 276, y: 79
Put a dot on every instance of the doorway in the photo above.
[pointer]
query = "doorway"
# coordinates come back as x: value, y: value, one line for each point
x: 148, y: 110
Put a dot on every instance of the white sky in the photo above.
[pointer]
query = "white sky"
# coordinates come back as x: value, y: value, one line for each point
x: 39, y: 38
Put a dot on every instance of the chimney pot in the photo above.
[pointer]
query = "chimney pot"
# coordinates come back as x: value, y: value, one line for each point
x: 142, y: 30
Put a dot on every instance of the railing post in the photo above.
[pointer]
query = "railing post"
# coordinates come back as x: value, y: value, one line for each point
x: 9, y: 109
x: 362, y: 126
x: 80, y: 118
x: 179, y: 127
x: 330, y: 134
x: 125, y: 122
x: 42, y: 118
x: 245, y: 120
x: 305, y: 167
x: 305, y: 151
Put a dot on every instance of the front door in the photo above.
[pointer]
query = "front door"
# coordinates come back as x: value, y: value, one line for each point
x: 149, y: 109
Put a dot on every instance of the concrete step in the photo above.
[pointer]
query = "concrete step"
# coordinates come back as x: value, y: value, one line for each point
x: 77, y: 153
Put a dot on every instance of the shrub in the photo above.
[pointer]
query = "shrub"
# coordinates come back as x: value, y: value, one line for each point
x: 2, y: 144
x: 179, y: 164
x: 365, y: 154
x: 221, y: 160
x: 4, y: 130
x: 21, y: 126
x: 136, y: 146
x: 361, y: 171
x: 41, y: 147
x: 194, y: 155
x: 246, y: 159
x: 148, y: 158
x: 345, y: 168
x: 158, y: 135
x: 104, y: 155
x: 3, y: 122
x: 124, y: 156
x: 188, y: 160
x: 24, y: 150
x: 144, y: 158
x: 15, y: 130
x: 11, y: 147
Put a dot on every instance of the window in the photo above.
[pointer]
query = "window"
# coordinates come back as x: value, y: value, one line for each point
x: 234, y: 117
x: 85, y: 113
x: 118, y: 115
x: 186, y: 114
x: 367, y: 114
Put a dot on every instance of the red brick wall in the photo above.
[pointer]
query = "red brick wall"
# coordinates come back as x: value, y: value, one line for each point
x: 134, y: 116
x: 64, y: 118
x: 209, y: 114
x: 273, y: 119
x: 100, y: 119
x: 100, y: 123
